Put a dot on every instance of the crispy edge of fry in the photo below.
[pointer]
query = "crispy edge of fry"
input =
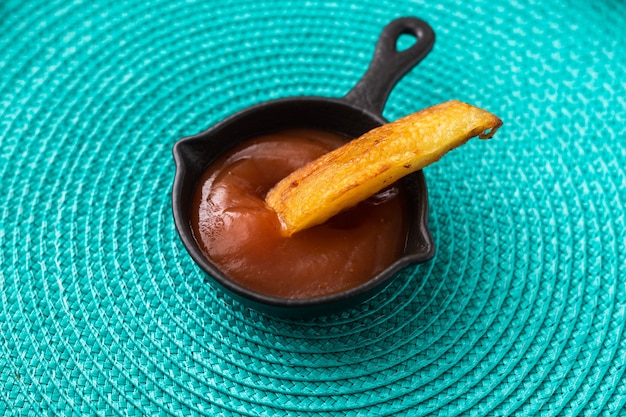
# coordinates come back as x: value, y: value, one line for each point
x: 374, y: 160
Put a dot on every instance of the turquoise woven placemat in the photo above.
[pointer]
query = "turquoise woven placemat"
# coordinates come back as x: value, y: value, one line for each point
x: 521, y: 312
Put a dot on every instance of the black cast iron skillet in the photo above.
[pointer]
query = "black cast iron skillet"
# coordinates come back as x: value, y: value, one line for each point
x: 356, y: 113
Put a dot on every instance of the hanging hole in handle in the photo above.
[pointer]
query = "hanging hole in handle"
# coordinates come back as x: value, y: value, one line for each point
x: 402, y: 44
x: 406, y: 41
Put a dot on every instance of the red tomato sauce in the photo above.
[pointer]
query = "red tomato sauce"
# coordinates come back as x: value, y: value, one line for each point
x: 241, y: 235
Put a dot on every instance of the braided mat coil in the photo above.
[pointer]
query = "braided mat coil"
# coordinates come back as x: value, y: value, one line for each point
x: 103, y: 312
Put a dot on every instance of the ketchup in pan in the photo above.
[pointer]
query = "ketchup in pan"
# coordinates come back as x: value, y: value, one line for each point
x: 241, y: 235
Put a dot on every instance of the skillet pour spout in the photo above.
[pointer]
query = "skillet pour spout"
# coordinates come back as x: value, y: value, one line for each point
x: 356, y: 113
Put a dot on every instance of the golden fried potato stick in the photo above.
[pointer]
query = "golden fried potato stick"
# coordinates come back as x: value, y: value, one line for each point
x: 359, y: 169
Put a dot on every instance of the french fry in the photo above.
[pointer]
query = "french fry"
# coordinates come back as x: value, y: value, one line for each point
x: 348, y: 175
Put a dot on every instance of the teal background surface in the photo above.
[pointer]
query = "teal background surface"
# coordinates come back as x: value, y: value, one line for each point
x: 102, y: 312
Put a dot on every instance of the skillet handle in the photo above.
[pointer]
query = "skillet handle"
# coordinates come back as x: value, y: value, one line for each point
x: 389, y: 65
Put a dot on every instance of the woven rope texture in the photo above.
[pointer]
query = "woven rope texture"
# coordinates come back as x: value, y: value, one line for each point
x: 102, y: 311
